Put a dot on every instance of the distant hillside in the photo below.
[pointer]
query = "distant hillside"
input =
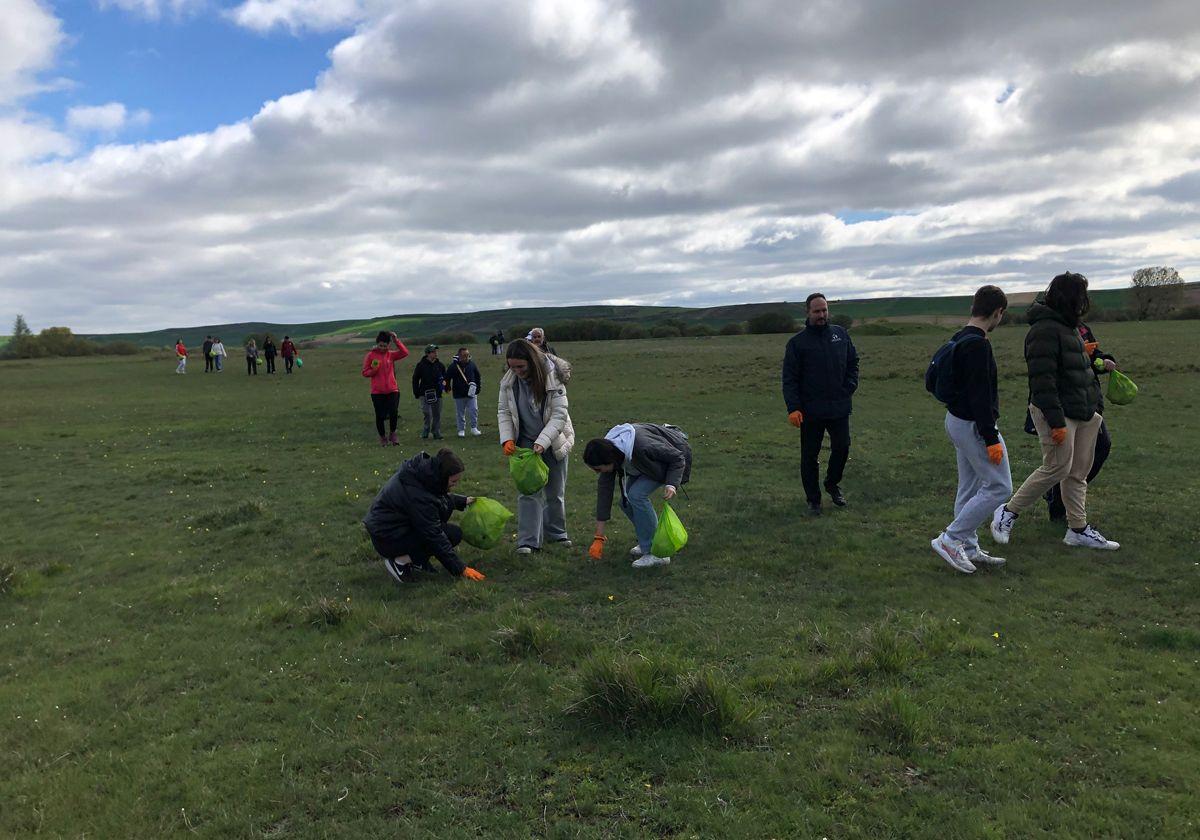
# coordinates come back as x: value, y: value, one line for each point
x: 483, y: 324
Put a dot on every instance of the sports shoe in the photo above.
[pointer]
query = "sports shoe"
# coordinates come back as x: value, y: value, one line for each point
x: 1002, y: 523
x: 814, y: 509
x: 952, y: 552
x: 476, y: 432
x: 1090, y: 538
x: 394, y: 440
x: 648, y: 560
x: 437, y: 437
x: 565, y: 543
x: 462, y: 433
x: 400, y: 572
x: 636, y: 552
x: 524, y: 549
x: 423, y: 566
x: 835, y: 495
x: 383, y: 441
x: 424, y: 435
x: 981, y: 558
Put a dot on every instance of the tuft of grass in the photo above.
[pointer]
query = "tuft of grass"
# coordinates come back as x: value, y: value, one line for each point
x: 327, y: 612
x: 526, y: 638
x: 895, y: 720
x: 8, y: 577
x: 227, y: 517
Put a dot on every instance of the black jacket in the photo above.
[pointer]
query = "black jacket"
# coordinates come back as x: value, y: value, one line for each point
x: 976, y: 395
x: 428, y: 376
x: 659, y: 452
x: 415, y: 503
x: 269, y: 349
x: 1061, y: 380
x: 820, y: 372
x: 207, y: 349
x: 460, y: 376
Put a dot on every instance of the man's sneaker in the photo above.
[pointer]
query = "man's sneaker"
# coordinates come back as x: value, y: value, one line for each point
x: 524, y: 549
x: 981, y: 558
x: 648, y: 560
x: 476, y: 432
x: 462, y: 433
x: 394, y: 440
x: 400, y: 572
x: 1002, y: 523
x: 423, y: 566
x: 814, y: 509
x: 1090, y: 538
x: 952, y: 552
x: 835, y: 495
x: 636, y: 552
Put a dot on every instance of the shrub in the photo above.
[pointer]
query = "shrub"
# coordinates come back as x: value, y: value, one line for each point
x: 1187, y: 313
x: 663, y: 331
x: 699, y: 330
x: 771, y: 322
x: 734, y: 328
x: 841, y: 320
x: 119, y: 348
x: 633, y: 331
x: 450, y: 340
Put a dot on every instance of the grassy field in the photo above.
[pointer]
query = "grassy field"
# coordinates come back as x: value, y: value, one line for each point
x: 196, y: 639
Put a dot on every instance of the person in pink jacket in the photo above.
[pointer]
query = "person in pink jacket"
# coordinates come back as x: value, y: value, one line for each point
x: 379, y: 367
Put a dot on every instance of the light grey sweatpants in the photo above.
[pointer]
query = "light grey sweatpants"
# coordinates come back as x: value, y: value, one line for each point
x: 432, y: 414
x: 982, y: 485
x: 543, y: 515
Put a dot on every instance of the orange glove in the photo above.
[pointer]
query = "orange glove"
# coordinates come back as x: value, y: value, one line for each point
x: 996, y: 453
x: 471, y: 574
x: 1059, y: 436
x: 596, y: 552
x: 796, y: 418
x: 510, y: 448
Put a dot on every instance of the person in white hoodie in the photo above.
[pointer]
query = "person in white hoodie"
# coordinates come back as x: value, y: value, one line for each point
x: 218, y: 353
x: 638, y: 458
x: 532, y: 413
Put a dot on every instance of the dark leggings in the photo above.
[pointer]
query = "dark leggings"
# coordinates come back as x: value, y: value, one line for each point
x: 417, y: 549
x: 288, y: 361
x: 387, y: 407
x: 251, y: 366
x: 1103, y: 447
x: 270, y: 363
x: 812, y: 435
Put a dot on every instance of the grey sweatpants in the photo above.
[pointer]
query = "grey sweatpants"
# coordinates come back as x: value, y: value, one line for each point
x: 982, y: 485
x: 432, y: 412
x: 543, y: 515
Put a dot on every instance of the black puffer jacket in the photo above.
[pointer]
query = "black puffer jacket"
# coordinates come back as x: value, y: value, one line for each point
x: 1061, y: 381
x: 415, y: 503
x: 820, y: 372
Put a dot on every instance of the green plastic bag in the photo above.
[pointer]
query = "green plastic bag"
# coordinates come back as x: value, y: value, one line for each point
x: 670, y: 535
x: 1121, y: 390
x: 528, y: 470
x: 484, y: 522
x: 299, y: 362
x: 258, y: 360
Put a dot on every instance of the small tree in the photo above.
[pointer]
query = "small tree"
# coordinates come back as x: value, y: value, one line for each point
x: 1156, y: 291
x: 771, y: 322
x: 19, y: 345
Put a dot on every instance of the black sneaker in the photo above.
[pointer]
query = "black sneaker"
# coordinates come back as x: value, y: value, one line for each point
x: 835, y: 495
x: 423, y: 566
x: 814, y: 508
x: 424, y: 435
x: 401, y: 573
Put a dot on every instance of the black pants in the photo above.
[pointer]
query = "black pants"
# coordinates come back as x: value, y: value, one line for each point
x: 270, y: 363
x: 1103, y: 446
x: 812, y: 435
x: 288, y: 361
x: 387, y: 407
x: 251, y: 367
x: 416, y: 548
x: 208, y: 363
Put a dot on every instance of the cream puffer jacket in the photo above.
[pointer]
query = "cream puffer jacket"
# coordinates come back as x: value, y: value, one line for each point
x: 558, y: 435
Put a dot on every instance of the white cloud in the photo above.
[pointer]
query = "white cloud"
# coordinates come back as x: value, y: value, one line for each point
x: 317, y: 15
x: 155, y: 9
x: 29, y: 39
x: 107, y: 119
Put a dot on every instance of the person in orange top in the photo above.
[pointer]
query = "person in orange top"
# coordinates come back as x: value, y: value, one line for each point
x: 181, y: 353
x: 379, y: 367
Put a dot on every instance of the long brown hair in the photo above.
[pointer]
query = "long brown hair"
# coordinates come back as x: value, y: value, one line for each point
x: 1068, y: 295
x: 521, y: 349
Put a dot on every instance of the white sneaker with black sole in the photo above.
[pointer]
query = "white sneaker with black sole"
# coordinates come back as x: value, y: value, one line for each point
x: 400, y: 572
x: 476, y: 432
x: 648, y: 560
x: 1090, y: 538
x: 1002, y: 524
x: 981, y: 558
x: 952, y: 552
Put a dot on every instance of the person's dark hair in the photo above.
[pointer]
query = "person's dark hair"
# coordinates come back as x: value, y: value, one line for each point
x: 601, y: 451
x: 987, y: 300
x: 384, y: 336
x: 1068, y: 296
x: 808, y: 300
x: 528, y: 351
x: 286, y: 337
x: 460, y: 349
x: 448, y: 464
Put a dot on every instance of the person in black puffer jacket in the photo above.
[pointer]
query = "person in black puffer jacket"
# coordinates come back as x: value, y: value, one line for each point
x: 410, y: 518
x: 1064, y: 404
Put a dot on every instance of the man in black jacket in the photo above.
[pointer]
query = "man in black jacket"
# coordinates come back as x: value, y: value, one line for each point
x: 410, y: 518
x: 207, y: 349
x: 820, y: 375
x: 972, y: 409
x: 465, y: 382
x: 428, y: 383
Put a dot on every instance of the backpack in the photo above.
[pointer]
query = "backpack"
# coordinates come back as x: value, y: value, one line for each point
x: 939, y: 376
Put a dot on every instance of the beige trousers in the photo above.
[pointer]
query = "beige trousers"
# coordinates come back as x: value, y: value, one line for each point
x: 1067, y: 463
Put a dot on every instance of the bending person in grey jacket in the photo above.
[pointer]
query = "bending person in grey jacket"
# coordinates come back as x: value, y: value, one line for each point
x: 638, y: 458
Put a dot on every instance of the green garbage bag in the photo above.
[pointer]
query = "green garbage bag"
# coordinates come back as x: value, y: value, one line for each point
x: 299, y: 362
x: 484, y: 522
x: 528, y: 470
x: 258, y: 360
x: 670, y: 535
x: 1121, y: 390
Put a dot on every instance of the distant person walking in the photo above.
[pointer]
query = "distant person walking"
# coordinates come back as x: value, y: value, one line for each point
x: 379, y: 366
x: 251, y: 358
x: 638, y: 459
x: 409, y: 521
x: 820, y: 375
x: 428, y: 383
x: 465, y: 382
x: 972, y: 409
x: 269, y: 352
x: 533, y: 413
x: 288, y: 351
x: 494, y: 341
x: 218, y: 352
x: 207, y: 350
x: 1064, y: 403
x: 181, y: 354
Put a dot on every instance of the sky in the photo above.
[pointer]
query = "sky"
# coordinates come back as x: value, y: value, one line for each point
x: 186, y: 162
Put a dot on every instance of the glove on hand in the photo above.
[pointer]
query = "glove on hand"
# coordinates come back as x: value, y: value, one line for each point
x: 471, y: 574
x: 1059, y: 436
x: 796, y: 418
x: 596, y: 552
x: 510, y: 448
x: 996, y: 453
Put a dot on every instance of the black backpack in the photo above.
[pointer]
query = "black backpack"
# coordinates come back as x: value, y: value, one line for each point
x: 939, y: 376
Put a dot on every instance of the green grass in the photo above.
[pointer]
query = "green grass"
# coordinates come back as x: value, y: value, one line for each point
x: 195, y: 638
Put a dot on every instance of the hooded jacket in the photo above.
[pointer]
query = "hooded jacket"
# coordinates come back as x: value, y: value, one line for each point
x: 1061, y: 382
x: 428, y: 376
x: 461, y: 376
x: 820, y: 372
x: 415, y: 503
x: 660, y: 453
x: 558, y: 435
x: 379, y: 367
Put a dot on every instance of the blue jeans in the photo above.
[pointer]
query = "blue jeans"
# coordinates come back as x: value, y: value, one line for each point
x: 982, y: 485
x: 466, y: 409
x: 636, y: 505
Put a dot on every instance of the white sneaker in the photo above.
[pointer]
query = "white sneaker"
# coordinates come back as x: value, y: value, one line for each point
x: 476, y: 432
x: 636, y: 552
x: 1090, y: 538
x: 462, y: 434
x: 952, y: 552
x: 524, y: 549
x: 648, y: 560
x: 1002, y: 524
x: 981, y: 558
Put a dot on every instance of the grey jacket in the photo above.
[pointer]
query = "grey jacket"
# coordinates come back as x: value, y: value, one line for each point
x: 661, y: 453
